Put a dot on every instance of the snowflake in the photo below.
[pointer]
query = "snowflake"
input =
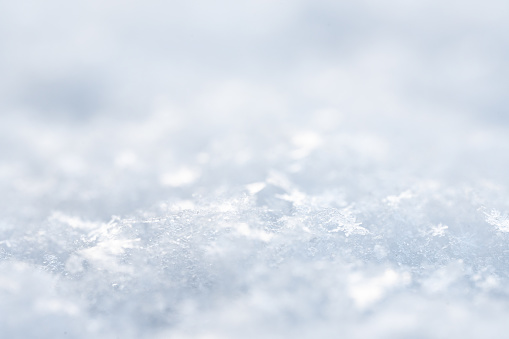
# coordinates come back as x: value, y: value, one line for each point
x: 495, y: 218
x: 438, y: 230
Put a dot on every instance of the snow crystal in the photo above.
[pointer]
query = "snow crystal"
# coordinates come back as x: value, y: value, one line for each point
x: 439, y: 230
x: 501, y: 222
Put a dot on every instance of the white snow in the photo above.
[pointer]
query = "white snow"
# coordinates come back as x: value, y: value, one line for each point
x: 254, y: 169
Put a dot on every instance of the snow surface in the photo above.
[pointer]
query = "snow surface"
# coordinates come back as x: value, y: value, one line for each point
x: 258, y: 169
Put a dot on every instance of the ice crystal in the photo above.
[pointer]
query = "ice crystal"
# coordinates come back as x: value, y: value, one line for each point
x: 495, y: 218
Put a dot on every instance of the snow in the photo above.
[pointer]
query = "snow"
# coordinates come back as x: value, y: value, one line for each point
x: 264, y: 169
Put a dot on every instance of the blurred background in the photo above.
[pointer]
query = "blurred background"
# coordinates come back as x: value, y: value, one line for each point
x: 74, y: 62
x: 102, y: 100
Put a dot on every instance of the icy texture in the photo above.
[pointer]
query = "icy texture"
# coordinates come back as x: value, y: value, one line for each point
x: 285, y: 169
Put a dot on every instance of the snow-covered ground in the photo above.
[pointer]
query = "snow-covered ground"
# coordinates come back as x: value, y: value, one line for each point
x: 254, y: 169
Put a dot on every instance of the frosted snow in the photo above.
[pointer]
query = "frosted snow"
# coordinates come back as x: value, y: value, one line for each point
x: 307, y: 169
